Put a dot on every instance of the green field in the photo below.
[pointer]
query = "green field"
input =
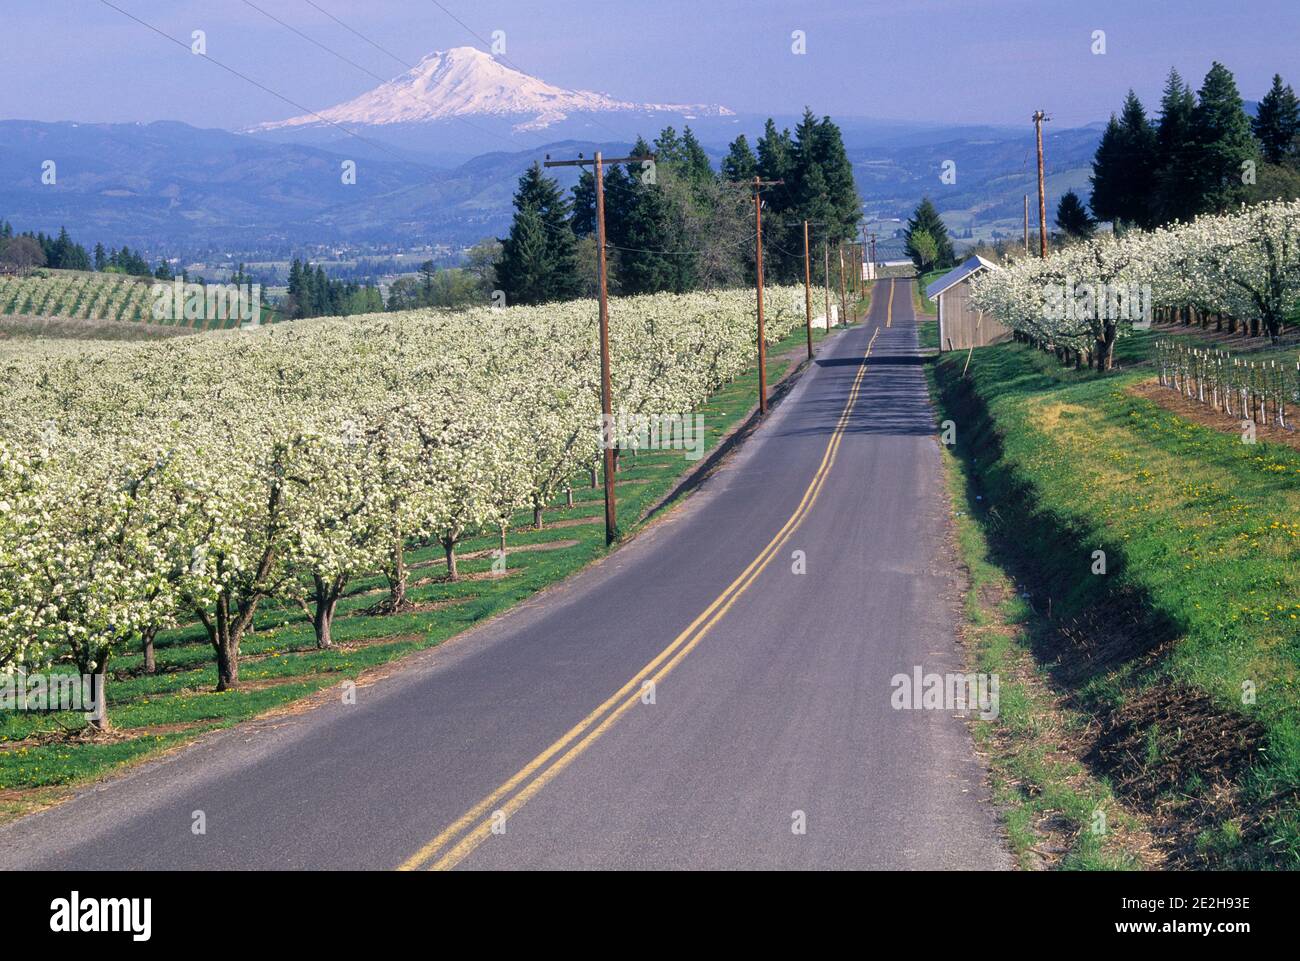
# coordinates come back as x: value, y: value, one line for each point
x: 1178, y: 664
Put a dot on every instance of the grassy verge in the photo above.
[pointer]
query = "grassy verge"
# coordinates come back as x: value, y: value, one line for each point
x: 280, y: 665
x: 1163, y: 666
x: 927, y: 311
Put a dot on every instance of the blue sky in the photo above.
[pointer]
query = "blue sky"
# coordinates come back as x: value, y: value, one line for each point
x: 987, y: 61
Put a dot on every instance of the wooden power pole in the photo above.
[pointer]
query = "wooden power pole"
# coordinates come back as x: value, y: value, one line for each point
x: 807, y: 289
x: 844, y: 303
x: 1039, y: 119
x: 759, y: 184
x: 606, y: 391
x: 826, y: 279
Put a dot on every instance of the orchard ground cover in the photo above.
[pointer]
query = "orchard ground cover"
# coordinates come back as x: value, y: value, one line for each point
x: 1171, y: 677
x: 41, y: 755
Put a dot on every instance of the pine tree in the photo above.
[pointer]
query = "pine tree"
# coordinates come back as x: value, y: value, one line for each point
x: 101, y: 257
x: 695, y: 162
x: 524, y: 268
x: 1124, y: 167
x: 1223, y: 143
x: 583, y: 219
x: 1175, y: 173
x: 841, y: 189
x: 523, y: 276
x: 668, y: 148
x: 1073, y: 219
x: 644, y: 230
x: 926, y: 220
x: 774, y: 153
x: 1277, y: 122
x: 740, y: 162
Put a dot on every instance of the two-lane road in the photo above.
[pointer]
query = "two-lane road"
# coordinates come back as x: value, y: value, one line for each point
x: 714, y: 694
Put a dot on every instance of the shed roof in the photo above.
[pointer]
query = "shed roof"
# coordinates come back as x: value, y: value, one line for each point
x: 971, y: 266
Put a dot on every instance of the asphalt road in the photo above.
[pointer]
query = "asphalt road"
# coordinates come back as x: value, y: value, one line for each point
x: 765, y: 738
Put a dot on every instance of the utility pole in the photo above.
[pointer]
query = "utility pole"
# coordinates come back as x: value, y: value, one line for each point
x: 807, y: 289
x: 759, y: 184
x: 844, y: 303
x: 873, y: 256
x: 606, y: 391
x: 1039, y: 119
x: 855, y: 277
x: 826, y: 278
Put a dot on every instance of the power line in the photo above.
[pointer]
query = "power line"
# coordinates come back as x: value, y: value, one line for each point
x: 372, y: 43
x: 312, y: 40
x: 260, y: 86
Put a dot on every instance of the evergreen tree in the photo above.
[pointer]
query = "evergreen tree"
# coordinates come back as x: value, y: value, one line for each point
x: 1073, y: 219
x: 1123, y: 168
x: 695, y: 162
x: 740, y: 162
x: 1223, y: 143
x: 524, y: 268
x: 1174, y: 199
x: 841, y: 189
x: 517, y: 271
x: 774, y: 153
x: 294, y: 295
x: 668, y: 148
x: 926, y: 220
x: 583, y: 219
x: 645, y: 230
x: 101, y: 257
x: 1277, y: 122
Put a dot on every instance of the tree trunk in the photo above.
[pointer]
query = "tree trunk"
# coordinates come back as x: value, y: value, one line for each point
x: 397, y: 578
x: 537, y: 516
x: 449, y: 546
x: 227, y: 664
x: 225, y: 631
x: 101, y: 723
x: 327, y: 599
x: 148, y: 635
x: 568, y: 497
x: 321, y: 623
x: 594, y: 478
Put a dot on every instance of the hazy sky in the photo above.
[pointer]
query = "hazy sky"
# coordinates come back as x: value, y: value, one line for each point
x: 988, y: 61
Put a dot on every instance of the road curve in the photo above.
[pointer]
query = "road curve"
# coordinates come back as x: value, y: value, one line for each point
x: 770, y: 612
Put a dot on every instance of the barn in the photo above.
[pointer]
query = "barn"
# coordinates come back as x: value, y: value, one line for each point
x: 960, y: 324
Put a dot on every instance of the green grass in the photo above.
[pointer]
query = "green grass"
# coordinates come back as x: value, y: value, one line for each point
x: 1034, y: 780
x: 1201, y: 536
x: 927, y: 321
x: 279, y: 661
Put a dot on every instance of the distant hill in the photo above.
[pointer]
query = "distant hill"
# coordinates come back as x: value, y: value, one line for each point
x: 171, y: 187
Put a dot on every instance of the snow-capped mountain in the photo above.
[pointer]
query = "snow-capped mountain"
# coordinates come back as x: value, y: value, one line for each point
x: 466, y: 82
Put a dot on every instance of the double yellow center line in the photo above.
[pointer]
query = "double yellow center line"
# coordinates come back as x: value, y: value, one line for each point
x: 473, y: 827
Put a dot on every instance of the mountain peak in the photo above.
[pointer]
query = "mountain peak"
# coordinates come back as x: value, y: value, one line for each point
x: 467, y: 82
